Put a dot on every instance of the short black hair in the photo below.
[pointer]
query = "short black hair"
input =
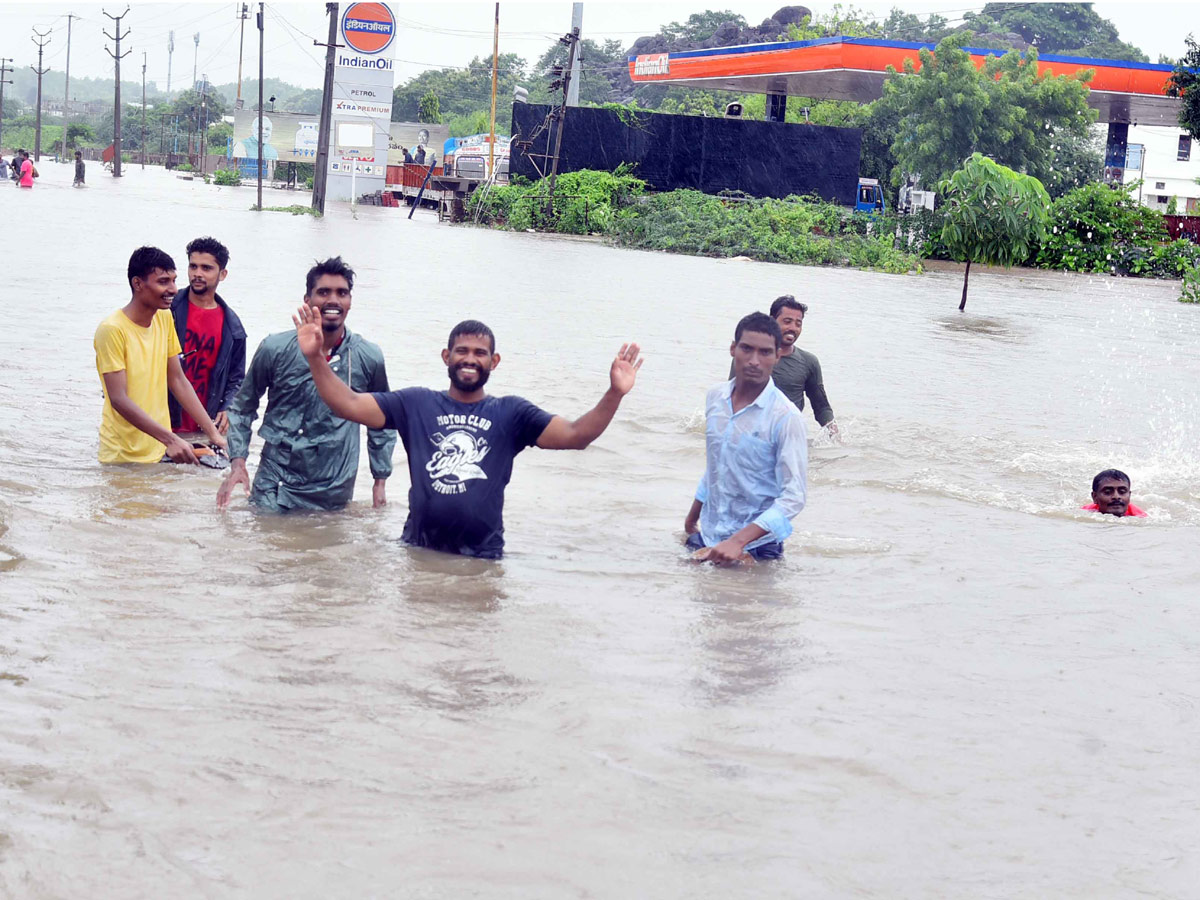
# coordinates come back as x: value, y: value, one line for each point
x: 335, y: 265
x: 763, y: 324
x: 145, y: 260
x: 1114, y: 474
x: 473, y: 327
x: 787, y: 301
x: 210, y: 245
x: 79, y: 153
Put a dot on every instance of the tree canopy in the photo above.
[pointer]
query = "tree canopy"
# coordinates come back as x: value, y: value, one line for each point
x: 1006, y: 110
x: 993, y: 215
x: 1185, y: 83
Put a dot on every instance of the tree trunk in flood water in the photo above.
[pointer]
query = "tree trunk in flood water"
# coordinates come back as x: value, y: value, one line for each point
x: 966, y: 275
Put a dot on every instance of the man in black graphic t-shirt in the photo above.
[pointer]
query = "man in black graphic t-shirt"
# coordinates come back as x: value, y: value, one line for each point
x: 461, y: 443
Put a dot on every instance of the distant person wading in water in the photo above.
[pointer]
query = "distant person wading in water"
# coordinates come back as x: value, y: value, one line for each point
x: 79, y: 169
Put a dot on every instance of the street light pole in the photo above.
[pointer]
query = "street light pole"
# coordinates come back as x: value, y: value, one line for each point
x: 261, y: 111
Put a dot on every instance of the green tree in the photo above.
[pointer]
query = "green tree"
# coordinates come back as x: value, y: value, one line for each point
x: 701, y: 26
x: 993, y: 215
x: 1185, y: 83
x: 1065, y: 28
x: 460, y: 92
x: 949, y: 110
x: 603, y: 71
x: 429, y: 110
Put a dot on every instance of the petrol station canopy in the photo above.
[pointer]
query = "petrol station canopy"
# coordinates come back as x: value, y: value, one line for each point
x: 845, y: 68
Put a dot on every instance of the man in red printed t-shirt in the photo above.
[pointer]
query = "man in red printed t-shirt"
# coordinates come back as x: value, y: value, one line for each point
x: 211, y: 334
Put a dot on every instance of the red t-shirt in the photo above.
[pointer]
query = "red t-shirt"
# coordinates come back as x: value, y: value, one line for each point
x: 1132, y: 511
x: 201, y: 341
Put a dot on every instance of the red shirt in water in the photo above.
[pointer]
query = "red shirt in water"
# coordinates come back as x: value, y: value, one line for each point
x: 1132, y: 511
x: 201, y: 341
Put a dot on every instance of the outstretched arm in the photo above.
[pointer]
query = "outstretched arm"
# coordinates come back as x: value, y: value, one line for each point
x: 338, y: 396
x: 561, y: 434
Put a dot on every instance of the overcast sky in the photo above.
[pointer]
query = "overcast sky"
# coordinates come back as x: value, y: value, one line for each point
x: 432, y: 34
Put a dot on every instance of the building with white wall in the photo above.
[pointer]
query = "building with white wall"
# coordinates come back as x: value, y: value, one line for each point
x: 1167, y: 160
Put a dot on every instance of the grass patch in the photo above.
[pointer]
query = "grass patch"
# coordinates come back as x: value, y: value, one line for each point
x: 295, y: 210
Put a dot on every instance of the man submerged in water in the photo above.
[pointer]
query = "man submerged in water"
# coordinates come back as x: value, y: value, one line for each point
x: 1111, y: 495
x: 756, y: 473
x: 461, y: 442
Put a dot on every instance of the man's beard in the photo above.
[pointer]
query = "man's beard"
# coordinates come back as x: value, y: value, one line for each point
x: 482, y: 379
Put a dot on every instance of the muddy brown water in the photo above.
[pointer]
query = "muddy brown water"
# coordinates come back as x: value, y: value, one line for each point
x: 954, y: 684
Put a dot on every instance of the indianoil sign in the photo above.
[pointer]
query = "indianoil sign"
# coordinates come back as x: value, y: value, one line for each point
x: 363, y: 79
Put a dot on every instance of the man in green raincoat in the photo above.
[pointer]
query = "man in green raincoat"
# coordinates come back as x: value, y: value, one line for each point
x: 309, y: 456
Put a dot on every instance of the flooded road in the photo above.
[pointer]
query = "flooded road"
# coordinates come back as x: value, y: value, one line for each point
x: 954, y: 684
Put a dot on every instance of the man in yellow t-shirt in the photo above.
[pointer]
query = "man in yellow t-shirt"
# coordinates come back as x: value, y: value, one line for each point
x: 137, y: 358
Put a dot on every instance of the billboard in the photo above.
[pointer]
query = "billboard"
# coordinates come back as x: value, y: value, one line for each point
x: 287, y: 137
x: 410, y: 136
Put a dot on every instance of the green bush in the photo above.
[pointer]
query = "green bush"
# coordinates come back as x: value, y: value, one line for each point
x: 797, y: 230
x: 1098, y: 228
x: 185, y: 167
x: 1191, y: 286
x: 227, y: 177
x: 585, y: 202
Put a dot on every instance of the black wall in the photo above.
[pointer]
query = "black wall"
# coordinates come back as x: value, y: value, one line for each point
x: 764, y: 159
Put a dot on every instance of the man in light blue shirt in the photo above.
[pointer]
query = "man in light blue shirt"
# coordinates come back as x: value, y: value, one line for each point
x: 756, y: 474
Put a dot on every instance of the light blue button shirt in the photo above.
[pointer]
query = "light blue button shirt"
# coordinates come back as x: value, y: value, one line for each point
x: 757, y: 466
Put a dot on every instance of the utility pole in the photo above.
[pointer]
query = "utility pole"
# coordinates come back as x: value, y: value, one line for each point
x: 37, y: 135
x: 495, y: 64
x: 195, y: 58
x: 321, y: 171
x: 577, y: 28
x: 170, y: 54
x: 67, y: 87
x: 245, y: 14
x: 117, y: 90
x: 143, y: 110
x: 560, y: 114
x: 204, y: 125
x: 261, y: 17
x: 5, y: 68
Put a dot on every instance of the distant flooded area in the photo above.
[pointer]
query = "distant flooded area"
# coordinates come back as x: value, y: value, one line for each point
x: 954, y: 684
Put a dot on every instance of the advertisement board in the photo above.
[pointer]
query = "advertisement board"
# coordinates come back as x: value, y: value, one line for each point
x: 411, y: 135
x: 287, y: 137
x: 363, y: 77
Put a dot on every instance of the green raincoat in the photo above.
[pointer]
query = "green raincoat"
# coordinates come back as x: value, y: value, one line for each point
x: 310, y: 456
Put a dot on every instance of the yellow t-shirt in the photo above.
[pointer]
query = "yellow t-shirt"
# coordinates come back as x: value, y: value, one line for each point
x: 142, y: 353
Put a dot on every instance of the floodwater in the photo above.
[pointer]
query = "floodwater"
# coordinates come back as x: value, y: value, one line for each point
x: 955, y: 684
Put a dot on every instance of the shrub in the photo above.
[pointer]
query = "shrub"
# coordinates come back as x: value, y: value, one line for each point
x: 1191, y: 286
x: 185, y: 167
x: 1098, y: 228
x: 227, y: 177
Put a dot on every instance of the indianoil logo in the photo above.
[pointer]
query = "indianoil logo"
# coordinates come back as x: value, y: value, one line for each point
x: 368, y: 27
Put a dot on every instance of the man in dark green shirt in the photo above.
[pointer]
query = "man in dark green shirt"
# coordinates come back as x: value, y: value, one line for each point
x: 798, y: 372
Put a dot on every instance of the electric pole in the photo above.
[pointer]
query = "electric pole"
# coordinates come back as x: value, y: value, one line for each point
x: 560, y: 114
x: 195, y: 58
x: 204, y: 126
x: 117, y: 89
x: 170, y: 54
x: 143, y: 110
x: 5, y: 68
x: 490, y: 174
x: 245, y: 14
x: 261, y: 17
x: 577, y: 28
x: 321, y: 171
x: 37, y: 135
x: 67, y: 87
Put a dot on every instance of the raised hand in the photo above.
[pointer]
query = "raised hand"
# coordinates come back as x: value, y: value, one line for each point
x: 308, y: 331
x: 624, y: 369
